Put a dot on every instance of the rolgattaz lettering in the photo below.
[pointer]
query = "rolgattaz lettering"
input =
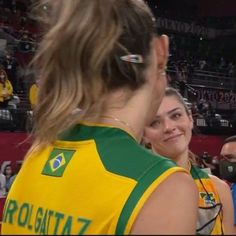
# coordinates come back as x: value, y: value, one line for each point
x: 43, y: 221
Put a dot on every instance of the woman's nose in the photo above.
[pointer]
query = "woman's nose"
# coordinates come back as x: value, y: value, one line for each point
x: 168, y: 125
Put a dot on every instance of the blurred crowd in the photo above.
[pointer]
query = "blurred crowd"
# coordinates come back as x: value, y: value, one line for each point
x: 8, y: 173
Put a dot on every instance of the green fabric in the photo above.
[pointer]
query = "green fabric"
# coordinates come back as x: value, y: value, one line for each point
x: 197, y: 173
x: 122, y: 155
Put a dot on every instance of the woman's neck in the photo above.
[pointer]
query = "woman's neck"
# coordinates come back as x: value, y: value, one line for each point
x: 129, y: 114
x: 183, y: 161
x: 119, y: 123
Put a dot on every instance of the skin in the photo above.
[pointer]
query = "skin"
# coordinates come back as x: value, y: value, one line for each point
x: 123, y: 103
x: 227, y: 201
x: 172, y: 127
x: 229, y: 151
x: 181, y: 214
x: 143, y: 104
x: 8, y: 171
x: 126, y: 106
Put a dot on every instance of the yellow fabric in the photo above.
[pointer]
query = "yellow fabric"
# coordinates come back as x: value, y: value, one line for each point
x: 6, y: 91
x: 91, y: 201
x: 209, y: 186
x: 33, y: 95
x: 146, y: 195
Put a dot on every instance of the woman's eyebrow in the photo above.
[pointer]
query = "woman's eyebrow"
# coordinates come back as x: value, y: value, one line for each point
x: 169, y: 112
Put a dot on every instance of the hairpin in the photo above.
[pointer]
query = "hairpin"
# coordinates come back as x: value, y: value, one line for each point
x: 134, y: 58
x: 76, y: 111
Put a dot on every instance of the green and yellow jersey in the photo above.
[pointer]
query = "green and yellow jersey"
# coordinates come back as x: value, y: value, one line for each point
x: 93, y: 180
x: 210, y: 207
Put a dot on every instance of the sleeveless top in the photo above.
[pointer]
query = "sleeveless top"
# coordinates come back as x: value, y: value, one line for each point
x: 210, y: 208
x: 93, y: 180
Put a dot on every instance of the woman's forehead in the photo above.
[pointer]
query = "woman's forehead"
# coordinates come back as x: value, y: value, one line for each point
x: 169, y: 104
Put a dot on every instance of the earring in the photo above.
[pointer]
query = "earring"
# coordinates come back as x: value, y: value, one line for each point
x: 163, y: 71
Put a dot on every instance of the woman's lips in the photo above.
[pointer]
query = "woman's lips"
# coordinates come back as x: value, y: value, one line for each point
x: 173, y: 137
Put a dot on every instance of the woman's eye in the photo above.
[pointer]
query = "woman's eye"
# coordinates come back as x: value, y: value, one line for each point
x: 176, y: 115
x: 155, y: 123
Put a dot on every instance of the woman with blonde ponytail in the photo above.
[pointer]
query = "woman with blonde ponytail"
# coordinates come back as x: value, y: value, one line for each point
x: 102, y: 78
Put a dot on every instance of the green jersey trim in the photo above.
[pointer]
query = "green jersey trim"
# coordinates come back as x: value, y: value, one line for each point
x: 122, y: 155
x: 144, y: 183
x: 81, y: 132
x: 197, y: 173
x: 118, y: 151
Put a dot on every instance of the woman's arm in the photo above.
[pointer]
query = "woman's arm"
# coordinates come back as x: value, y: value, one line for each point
x: 227, y: 202
x: 171, y: 208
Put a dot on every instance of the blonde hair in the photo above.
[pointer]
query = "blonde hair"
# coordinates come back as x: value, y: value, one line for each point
x: 174, y: 92
x: 79, y: 58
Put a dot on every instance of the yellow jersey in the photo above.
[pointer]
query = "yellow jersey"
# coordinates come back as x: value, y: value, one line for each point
x: 93, y: 180
x: 210, y: 208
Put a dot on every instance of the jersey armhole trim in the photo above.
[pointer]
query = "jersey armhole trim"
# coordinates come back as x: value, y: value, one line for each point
x: 140, y: 194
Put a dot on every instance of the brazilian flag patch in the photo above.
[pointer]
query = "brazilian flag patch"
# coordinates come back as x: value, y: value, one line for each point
x: 57, y: 162
x: 208, y: 198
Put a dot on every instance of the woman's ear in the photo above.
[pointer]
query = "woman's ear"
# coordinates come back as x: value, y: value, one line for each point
x: 146, y: 143
x: 190, y: 118
x: 144, y: 140
x: 162, y: 50
x: 148, y: 134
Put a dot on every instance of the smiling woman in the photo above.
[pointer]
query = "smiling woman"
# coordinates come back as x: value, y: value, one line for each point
x: 172, y: 126
x: 169, y: 135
